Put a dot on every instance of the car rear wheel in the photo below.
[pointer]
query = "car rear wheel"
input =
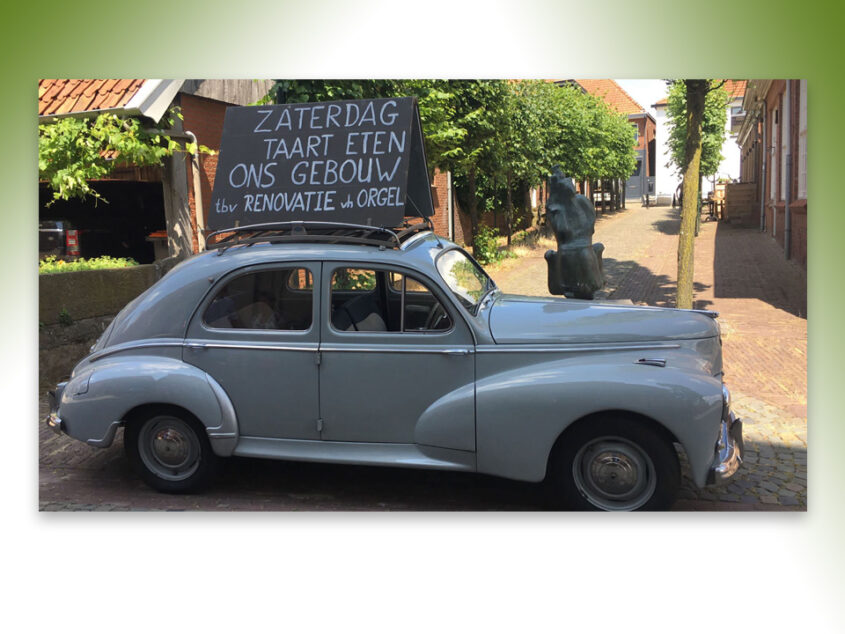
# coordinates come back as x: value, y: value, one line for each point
x: 614, y: 465
x: 170, y: 451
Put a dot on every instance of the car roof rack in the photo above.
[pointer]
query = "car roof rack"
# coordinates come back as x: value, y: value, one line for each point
x: 313, y: 231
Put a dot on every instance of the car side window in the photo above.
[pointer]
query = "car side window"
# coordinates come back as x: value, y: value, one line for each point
x: 369, y: 300
x: 278, y: 299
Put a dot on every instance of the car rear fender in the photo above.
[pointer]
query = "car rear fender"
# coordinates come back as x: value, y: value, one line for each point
x: 98, y: 399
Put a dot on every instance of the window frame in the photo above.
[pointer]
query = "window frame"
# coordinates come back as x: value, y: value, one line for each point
x: 198, y: 316
x: 387, y: 268
x: 456, y: 299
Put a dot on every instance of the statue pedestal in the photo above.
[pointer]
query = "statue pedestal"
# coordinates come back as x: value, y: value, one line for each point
x: 575, y: 271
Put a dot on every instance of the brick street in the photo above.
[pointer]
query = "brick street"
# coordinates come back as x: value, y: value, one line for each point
x: 739, y: 272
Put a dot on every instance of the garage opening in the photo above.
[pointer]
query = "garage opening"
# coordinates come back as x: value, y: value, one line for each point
x: 120, y: 228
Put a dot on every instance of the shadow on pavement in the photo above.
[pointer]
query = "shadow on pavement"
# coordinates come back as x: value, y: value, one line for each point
x: 626, y: 279
x: 750, y: 264
x: 770, y: 474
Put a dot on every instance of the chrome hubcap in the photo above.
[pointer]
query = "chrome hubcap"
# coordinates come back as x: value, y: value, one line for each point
x: 169, y: 448
x: 614, y: 474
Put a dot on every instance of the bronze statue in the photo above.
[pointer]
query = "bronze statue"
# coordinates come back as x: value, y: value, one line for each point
x: 575, y: 269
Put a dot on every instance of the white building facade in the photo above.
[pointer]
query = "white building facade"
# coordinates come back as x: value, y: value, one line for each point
x: 666, y: 179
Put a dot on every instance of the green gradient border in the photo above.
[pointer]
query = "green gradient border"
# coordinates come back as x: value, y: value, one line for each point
x: 618, y: 39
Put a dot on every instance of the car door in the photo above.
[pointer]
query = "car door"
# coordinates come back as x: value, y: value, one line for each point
x: 257, y: 335
x: 397, y: 360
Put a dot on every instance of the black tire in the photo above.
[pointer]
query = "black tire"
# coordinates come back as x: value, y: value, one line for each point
x: 170, y: 451
x: 614, y: 464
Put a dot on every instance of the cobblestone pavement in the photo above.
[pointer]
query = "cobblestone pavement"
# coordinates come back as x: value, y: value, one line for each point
x: 76, y: 477
x: 762, y: 303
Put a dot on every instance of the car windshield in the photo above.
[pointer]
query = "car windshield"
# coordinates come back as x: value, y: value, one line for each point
x: 464, y: 277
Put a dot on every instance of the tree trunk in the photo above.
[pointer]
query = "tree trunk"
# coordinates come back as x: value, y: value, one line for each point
x: 473, y: 206
x: 696, y: 92
x: 526, y: 202
x: 509, y: 210
x: 603, y: 192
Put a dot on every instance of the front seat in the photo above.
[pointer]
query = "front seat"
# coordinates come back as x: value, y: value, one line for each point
x: 361, y: 313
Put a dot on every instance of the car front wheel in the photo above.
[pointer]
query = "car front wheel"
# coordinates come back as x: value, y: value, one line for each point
x: 614, y: 465
x: 170, y: 451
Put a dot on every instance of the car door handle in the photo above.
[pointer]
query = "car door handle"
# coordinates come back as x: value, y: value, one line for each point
x: 457, y: 352
x: 196, y: 346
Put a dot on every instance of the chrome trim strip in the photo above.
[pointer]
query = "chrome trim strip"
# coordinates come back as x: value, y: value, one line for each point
x: 135, y: 346
x: 450, y: 350
x: 575, y: 347
x: 204, y: 345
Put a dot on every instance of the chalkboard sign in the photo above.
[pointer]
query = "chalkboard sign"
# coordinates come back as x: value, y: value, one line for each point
x: 358, y: 161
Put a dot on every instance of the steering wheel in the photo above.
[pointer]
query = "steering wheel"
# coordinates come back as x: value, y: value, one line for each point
x: 435, y: 316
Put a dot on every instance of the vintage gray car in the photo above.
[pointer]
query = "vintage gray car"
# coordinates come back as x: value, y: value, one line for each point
x: 348, y: 344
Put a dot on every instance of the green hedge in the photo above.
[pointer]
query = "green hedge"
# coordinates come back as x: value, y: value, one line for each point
x: 486, y: 245
x: 51, y: 264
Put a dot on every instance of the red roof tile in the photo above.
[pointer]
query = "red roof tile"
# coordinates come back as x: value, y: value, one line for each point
x: 64, y: 93
x: 60, y: 96
x: 736, y: 87
x: 84, y: 101
x: 612, y: 94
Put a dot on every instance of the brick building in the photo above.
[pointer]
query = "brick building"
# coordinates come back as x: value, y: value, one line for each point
x: 152, y: 212
x: 138, y: 204
x: 641, y: 183
x: 773, y: 158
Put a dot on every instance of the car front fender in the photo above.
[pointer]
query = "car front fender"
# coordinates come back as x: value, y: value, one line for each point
x: 521, y: 412
x: 97, y: 400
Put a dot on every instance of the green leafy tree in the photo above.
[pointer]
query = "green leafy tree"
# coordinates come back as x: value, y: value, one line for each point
x: 550, y: 125
x: 525, y: 141
x: 434, y: 98
x: 72, y: 152
x: 481, y: 114
x: 496, y: 137
x: 714, y: 118
x: 310, y: 90
x: 604, y: 142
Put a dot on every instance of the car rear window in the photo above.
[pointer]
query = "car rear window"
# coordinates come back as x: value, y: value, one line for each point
x: 278, y: 299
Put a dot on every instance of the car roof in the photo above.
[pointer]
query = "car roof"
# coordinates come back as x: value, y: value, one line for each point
x: 416, y: 250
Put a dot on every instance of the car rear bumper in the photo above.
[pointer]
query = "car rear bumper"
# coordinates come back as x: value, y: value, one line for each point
x: 729, y: 450
x: 53, y: 421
